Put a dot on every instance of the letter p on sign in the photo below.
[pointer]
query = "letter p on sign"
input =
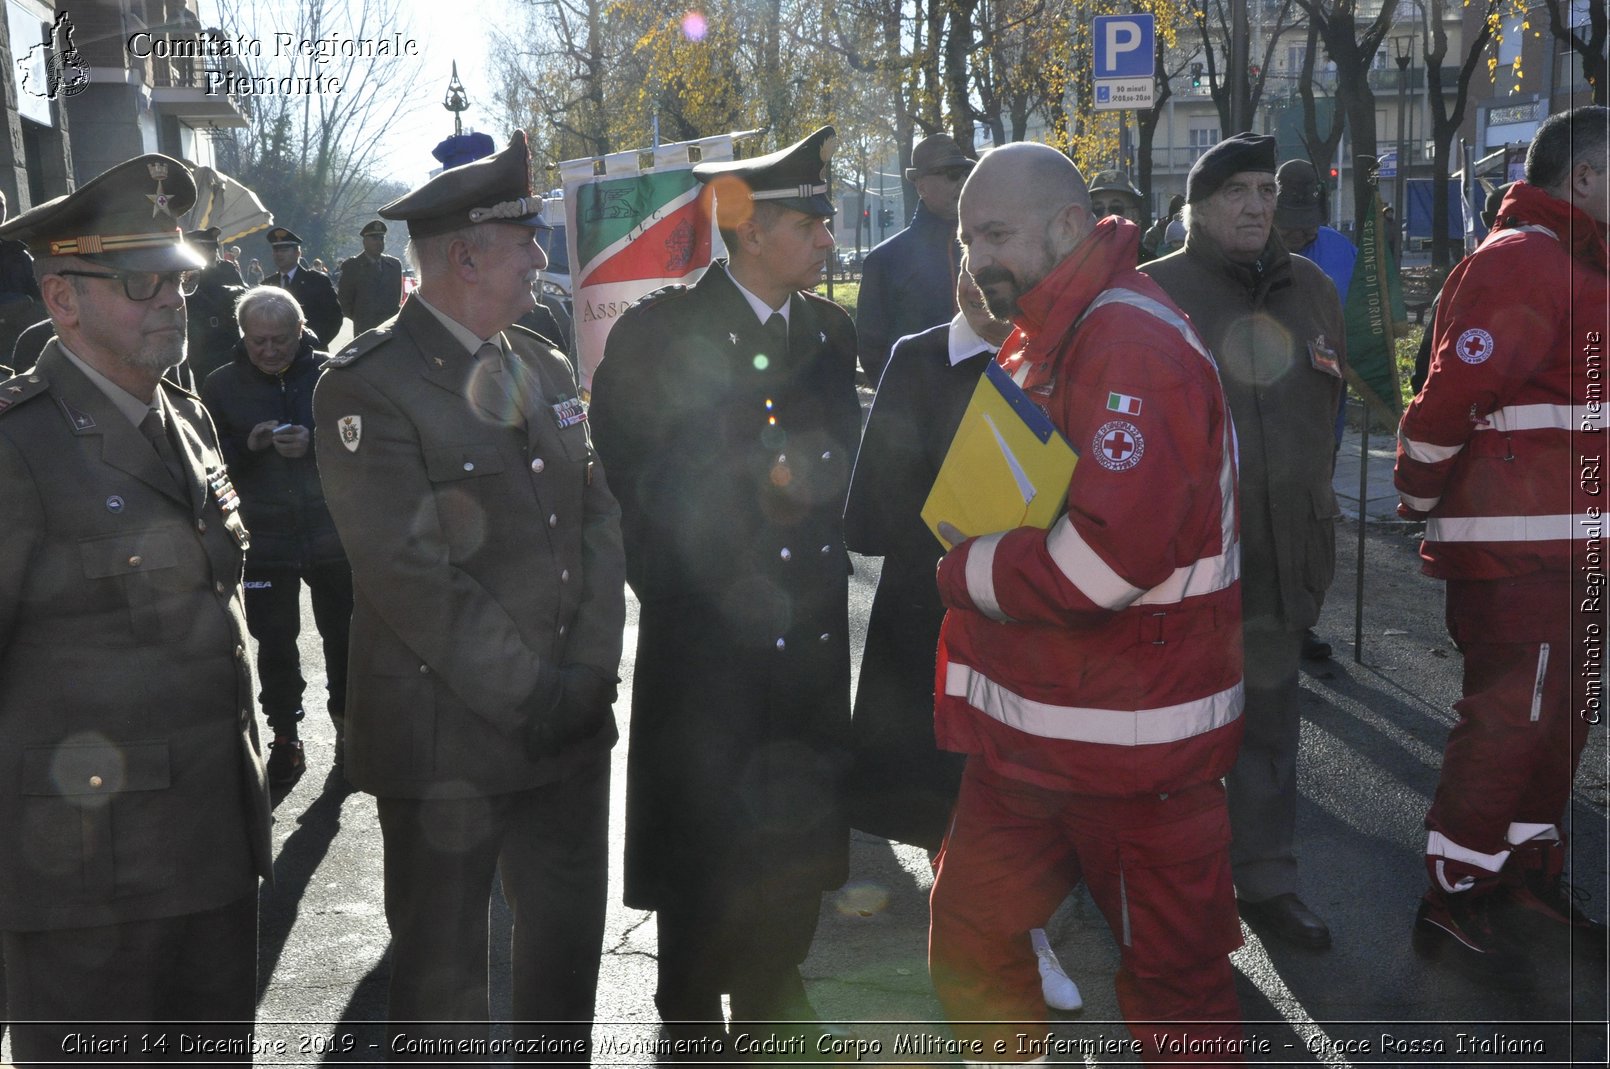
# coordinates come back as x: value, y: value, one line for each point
x: 1124, y: 45
x: 1122, y: 37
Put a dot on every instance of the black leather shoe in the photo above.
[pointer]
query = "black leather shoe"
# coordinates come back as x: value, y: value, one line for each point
x: 1314, y: 647
x: 1286, y: 917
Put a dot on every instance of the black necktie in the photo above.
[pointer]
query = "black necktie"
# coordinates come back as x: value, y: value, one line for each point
x: 777, y: 330
x: 155, y: 430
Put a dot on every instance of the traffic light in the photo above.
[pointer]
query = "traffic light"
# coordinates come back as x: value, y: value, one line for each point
x: 886, y: 217
x: 866, y: 217
x: 1196, y: 76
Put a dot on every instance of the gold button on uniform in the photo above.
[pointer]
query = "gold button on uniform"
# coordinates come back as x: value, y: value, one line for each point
x: 221, y: 588
x: 136, y: 560
x: 553, y: 520
x: 96, y: 781
x: 424, y: 669
x: 537, y: 465
x: 201, y: 526
x: 564, y: 576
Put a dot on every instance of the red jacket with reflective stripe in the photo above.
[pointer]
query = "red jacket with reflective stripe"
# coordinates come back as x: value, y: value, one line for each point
x: 1103, y: 657
x: 1502, y: 448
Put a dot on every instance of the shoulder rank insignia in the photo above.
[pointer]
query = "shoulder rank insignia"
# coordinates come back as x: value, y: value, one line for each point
x: 360, y: 345
x: 16, y: 390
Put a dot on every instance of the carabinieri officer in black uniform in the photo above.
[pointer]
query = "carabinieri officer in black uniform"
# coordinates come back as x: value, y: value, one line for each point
x: 312, y: 289
x: 727, y: 415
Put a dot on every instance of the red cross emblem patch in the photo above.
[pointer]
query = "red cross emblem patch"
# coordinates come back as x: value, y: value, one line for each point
x: 1474, y: 346
x: 1118, y: 446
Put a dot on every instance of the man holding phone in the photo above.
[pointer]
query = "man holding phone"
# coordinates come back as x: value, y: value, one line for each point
x: 262, y: 401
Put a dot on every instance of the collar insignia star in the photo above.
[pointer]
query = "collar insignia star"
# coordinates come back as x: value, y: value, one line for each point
x: 734, y: 338
x: 440, y: 362
x: 822, y: 334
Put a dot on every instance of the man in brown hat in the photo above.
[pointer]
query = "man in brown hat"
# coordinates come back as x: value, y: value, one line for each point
x: 133, y: 811
x: 489, y: 601
x: 727, y: 414
x: 312, y: 289
x: 908, y: 283
x: 371, y: 282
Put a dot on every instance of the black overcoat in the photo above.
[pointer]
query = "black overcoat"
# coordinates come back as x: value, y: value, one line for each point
x: 731, y: 463
x: 903, y: 786
x: 314, y: 291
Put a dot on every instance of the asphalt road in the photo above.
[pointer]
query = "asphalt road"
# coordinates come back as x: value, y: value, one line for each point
x: 1371, y: 745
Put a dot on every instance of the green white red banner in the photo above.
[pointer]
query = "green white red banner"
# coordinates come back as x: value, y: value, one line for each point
x: 636, y: 221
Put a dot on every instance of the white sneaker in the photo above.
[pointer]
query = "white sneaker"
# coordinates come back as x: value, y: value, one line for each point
x: 1060, y: 992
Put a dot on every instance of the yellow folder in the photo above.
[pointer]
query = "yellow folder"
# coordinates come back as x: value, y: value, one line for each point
x: 1007, y: 466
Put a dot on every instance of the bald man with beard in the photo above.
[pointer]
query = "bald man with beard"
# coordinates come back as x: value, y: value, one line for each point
x: 1092, y: 673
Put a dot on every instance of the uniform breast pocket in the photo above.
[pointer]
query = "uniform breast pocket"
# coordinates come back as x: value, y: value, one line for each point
x: 577, y: 442
x: 76, y: 797
x: 463, y: 480
x: 135, y: 569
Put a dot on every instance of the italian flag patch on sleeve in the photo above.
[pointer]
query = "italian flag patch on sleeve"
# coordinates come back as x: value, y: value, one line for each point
x: 1122, y: 402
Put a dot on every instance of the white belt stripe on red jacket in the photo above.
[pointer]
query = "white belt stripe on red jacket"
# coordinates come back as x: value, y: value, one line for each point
x: 1112, y: 727
x: 1512, y: 528
x: 1507, y: 420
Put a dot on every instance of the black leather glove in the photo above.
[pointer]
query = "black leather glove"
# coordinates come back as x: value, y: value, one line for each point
x: 568, y: 705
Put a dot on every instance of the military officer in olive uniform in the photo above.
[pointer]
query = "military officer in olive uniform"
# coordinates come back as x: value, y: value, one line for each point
x: 371, y: 282
x: 728, y: 417
x: 489, y: 603
x: 133, y: 809
x: 312, y: 289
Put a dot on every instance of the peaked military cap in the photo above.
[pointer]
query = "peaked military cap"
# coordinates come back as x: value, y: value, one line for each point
x: 207, y: 238
x: 126, y: 217
x: 793, y: 177
x: 1301, y: 201
x: 496, y: 189
x: 1114, y: 182
x: 373, y: 229
x: 282, y: 236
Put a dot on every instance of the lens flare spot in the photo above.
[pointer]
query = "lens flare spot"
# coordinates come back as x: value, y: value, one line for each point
x: 781, y: 475
x: 694, y: 26
x: 760, y: 362
x: 862, y: 899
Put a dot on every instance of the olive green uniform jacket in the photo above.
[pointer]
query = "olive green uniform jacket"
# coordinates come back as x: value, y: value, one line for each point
x: 1276, y: 333
x: 131, y: 777
x: 484, y: 545
x: 370, y: 291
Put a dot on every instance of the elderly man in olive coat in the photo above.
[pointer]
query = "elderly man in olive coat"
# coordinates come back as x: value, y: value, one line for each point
x: 1274, y: 324
x: 489, y: 601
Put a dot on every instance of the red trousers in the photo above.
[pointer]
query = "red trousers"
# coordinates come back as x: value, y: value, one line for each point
x: 1157, y: 868
x: 1512, y: 755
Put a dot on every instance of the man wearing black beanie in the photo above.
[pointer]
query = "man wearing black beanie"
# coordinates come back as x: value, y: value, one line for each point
x: 1274, y: 324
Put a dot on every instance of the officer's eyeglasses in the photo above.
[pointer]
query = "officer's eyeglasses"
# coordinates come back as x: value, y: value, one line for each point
x: 144, y: 285
x: 953, y: 174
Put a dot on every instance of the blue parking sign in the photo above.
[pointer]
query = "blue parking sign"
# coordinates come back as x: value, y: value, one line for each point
x: 1103, y: 94
x: 1124, y: 45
